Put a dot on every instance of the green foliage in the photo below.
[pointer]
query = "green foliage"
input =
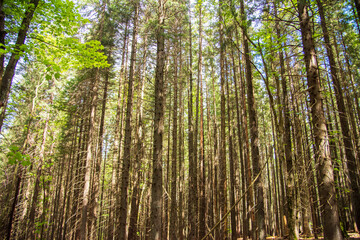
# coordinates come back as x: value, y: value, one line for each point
x: 14, y: 156
x: 51, y: 39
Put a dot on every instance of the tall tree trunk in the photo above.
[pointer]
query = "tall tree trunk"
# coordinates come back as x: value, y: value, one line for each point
x: 326, y: 186
x: 215, y: 191
x: 17, y: 181
x: 127, y: 143
x: 181, y: 216
x: 286, y: 134
x: 222, y: 160
x: 96, y: 184
x: 167, y: 175
x: 117, y: 139
x: 231, y: 164
x: 156, y: 190
x: 89, y: 157
x: 344, y: 123
x: 78, y: 175
x: 192, y: 199
x: 255, y: 154
x: 140, y: 138
x: 202, y: 200
x: 7, y: 77
x: 240, y: 140
x: 36, y: 192
x: 173, y: 207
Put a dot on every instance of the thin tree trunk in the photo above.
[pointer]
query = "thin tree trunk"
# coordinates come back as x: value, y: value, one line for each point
x: 89, y: 158
x: 222, y: 160
x: 255, y: 154
x: 193, y: 198
x: 231, y: 164
x: 202, y: 200
x: 240, y: 140
x: 127, y: 144
x: 37, y: 182
x: 157, y: 185
x: 140, y: 138
x: 290, y: 180
x: 117, y: 139
x: 173, y: 207
x: 180, y: 206
x: 167, y: 175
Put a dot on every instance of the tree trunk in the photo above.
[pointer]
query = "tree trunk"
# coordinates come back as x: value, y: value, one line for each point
x: 128, y: 128
x: 326, y: 186
x: 89, y: 157
x: 255, y: 154
x: 173, y: 207
x: 7, y: 77
x: 348, y: 145
x: 286, y: 135
x: 222, y: 160
x: 241, y: 145
x: 156, y: 190
x: 140, y: 138
x: 36, y: 192
x: 117, y: 139
x: 193, y: 198
x: 202, y: 199
x: 231, y: 164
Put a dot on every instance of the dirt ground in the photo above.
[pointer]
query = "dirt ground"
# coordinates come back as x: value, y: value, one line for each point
x: 352, y: 236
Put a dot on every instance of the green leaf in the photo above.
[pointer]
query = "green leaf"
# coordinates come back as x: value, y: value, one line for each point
x: 57, y: 75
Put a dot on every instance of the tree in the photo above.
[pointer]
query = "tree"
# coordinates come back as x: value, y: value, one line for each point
x: 192, y: 202
x: 7, y: 73
x: 255, y: 154
x: 326, y: 186
x: 156, y: 190
x: 349, y: 148
x: 222, y: 160
x: 127, y: 143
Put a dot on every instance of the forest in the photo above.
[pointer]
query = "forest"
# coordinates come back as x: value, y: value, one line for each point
x: 179, y: 119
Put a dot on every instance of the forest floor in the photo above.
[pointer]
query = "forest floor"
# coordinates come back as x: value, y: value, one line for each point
x: 352, y: 236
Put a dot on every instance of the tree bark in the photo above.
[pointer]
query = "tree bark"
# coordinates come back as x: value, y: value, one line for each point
x: 290, y: 177
x: 156, y: 190
x: 326, y: 186
x: 255, y: 154
x: 222, y: 160
x: 202, y: 199
x: 89, y: 157
x: 117, y: 139
x: 241, y: 145
x: 193, y: 198
x: 128, y: 129
x: 344, y: 123
x: 173, y: 207
x: 231, y: 164
x: 7, y: 77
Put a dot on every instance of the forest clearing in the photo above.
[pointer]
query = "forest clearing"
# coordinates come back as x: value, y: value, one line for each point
x: 179, y: 119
